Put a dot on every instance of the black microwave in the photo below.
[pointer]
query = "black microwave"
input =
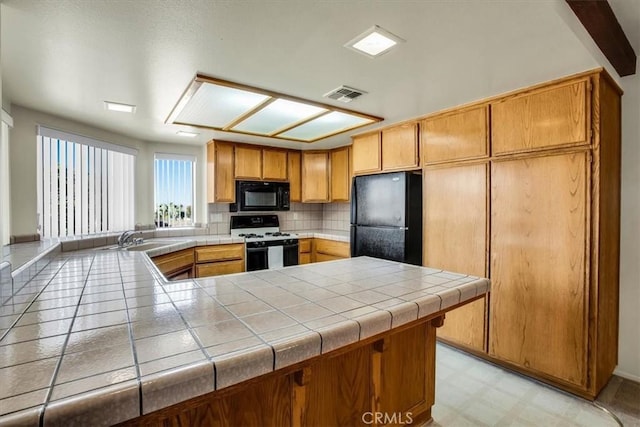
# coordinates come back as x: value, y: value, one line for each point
x: 255, y: 196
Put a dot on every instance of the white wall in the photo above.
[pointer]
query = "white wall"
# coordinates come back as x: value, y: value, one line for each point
x: 23, y: 167
x: 629, y: 347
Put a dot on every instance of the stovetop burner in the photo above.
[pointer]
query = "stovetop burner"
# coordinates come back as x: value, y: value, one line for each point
x: 252, y: 235
x: 277, y: 234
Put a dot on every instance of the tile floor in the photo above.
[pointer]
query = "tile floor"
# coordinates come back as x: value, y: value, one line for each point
x: 472, y: 392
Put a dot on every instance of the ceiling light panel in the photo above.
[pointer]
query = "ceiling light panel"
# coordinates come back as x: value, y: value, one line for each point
x: 374, y: 42
x: 231, y: 107
x: 121, y: 108
x: 216, y: 106
x: 327, y: 125
x: 279, y: 114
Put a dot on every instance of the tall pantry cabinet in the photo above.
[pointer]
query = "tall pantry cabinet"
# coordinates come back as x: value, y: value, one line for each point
x: 552, y: 234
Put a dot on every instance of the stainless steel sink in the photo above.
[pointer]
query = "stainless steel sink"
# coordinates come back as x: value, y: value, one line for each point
x: 142, y: 246
x: 147, y: 246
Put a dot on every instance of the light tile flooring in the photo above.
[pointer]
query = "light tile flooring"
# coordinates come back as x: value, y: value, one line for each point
x: 472, y: 392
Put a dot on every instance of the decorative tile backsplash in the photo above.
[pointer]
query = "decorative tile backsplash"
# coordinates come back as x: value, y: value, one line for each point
x: 307, y: 216
x: 336, y: 216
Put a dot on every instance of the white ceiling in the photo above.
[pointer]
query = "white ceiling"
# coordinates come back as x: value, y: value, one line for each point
x: 67, y: 57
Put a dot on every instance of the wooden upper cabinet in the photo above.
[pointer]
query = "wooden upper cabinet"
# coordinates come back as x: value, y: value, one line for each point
x: 274, y: 164
x: 551, y: 117
x: 295, y: 181
x: 539, y: 241
x: 248, y: 162
x: 340, y: 175
x: 400, y: 147
x: 366, y: 153
x: 220, y: 182
x: 456, y: 136
x: 315, y: 176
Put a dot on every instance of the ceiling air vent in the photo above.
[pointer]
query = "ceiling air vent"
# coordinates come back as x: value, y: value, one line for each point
x: 344, y: 94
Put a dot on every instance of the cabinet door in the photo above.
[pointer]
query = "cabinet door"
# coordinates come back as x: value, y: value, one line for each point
x: 340, y: 176
x: 295, y: 182
x: 315, y: 177
x: 538, y: 316
x: 220, y: 183
x: 551, y: 117
x: 400, y: 147
x: 248, y: 162
x: 455, y: 239
x: 366, y: 153
x: 456, y: 136
x: 274, y: 165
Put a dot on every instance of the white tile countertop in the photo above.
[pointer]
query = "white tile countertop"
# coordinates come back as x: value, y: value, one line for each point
x: 103, y: 338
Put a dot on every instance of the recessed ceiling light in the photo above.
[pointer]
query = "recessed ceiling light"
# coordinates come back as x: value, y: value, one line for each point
x: 374, y: 42
x: 187, y: 134
x: 116, y: 106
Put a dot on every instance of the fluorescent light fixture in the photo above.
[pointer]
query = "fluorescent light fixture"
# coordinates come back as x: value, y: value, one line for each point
x: 221, y: 105
x: 374, y: 42
x: 122, y: 108
x: 187, y: 134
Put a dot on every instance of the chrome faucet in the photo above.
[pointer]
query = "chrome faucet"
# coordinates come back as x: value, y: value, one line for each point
x: 126, y: 238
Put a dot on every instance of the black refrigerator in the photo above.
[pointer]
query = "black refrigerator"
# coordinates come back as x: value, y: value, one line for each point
x: 386, y: 216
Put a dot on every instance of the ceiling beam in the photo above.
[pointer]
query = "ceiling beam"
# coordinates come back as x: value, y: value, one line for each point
x: 601, y: 23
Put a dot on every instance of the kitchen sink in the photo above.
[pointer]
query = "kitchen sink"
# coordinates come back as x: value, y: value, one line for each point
x: 142, y: 246
x: 147, y: 246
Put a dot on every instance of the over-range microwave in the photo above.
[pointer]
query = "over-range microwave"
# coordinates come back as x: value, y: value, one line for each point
x: 255, y: 196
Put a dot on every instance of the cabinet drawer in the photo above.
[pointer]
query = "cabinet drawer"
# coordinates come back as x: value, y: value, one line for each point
x: 174, y: 261
x: 218, y: 268
x: 331, y: 247
x: 219, y: 253
x: 304, y: 245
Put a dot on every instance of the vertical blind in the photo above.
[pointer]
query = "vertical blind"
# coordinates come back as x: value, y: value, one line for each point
x: 85, y: 186
x: 174, y: 190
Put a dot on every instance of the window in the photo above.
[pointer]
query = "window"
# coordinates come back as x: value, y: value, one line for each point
x: 174, y: 190
x: 85, y: 186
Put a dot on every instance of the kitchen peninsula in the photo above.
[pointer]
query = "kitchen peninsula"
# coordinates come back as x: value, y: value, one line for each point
x: 109, y: 341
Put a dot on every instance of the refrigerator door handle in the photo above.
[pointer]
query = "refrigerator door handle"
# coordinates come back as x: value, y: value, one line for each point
x: 354, y: 201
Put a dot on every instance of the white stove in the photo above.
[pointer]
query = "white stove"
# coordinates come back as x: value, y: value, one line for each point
x: 266, y: 246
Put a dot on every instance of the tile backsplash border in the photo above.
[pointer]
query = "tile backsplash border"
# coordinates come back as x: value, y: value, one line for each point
x: 302, y: 216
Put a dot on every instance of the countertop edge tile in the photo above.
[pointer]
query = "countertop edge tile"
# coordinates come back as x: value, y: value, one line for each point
x: 339, y: 335
x: 167, y: 388
x: 238, y: 366
x: 289, y: 351
x: 26, y: 417
x: 106, y: 406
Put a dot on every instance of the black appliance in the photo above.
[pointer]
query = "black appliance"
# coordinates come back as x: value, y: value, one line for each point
x: 386, y: 216
x: 266, y: 246
x: 256, y: 196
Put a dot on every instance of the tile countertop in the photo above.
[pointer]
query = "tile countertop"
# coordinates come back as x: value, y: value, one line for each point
x: 106, y: 339
x: 20, y: 255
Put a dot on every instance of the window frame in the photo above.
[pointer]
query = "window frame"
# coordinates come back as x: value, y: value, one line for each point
x: 194, y: 164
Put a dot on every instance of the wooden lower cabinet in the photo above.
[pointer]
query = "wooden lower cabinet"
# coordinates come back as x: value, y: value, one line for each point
x: 391, y: 376
x: 455, y: 239
x: 215, y: 260
x: 329, y: 250
x: 304, y: 251
x: 176, y: 265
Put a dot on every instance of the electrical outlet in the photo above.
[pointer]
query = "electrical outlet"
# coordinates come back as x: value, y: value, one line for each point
x: 296, y: 215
